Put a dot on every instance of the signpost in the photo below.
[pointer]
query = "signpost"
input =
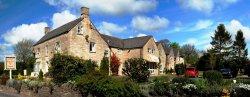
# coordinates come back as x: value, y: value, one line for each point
x: 10, y: 64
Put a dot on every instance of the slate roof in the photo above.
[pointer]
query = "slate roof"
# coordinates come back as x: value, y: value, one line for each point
x: 129, y: 43
x: 59, y: 31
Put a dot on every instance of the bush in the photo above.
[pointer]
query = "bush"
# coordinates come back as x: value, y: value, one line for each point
x: 169, y: 71
x: 40, y: 76
x: 104, y: 68
x: 99, y: 85
x: 180, y: 69
x: 4, y: 79
x: 161, y: 87
x: 114, y: 64
x: 241, y: 90
x: 15, y: 84
x: 182, y: 80
x: 137, y: 69
x: 213, y: 77
x: 65, y: 67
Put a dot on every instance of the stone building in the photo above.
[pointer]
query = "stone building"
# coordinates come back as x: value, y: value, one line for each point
x: 81, y: 38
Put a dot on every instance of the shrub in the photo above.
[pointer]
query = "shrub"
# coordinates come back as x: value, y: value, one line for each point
x: 180, y: 69
x: 99, y: 85
x: 40, y: 76
x: 213, y: 77
x: 114, y: 64
x: 241, y: 90
x: 4, y: 79
x: 161, y: 87
x: 137, y: 69
x: 190, y: 89
x: 182, y: 80
x: 15, y: 84
x: 65, y: 67
x: 167, y: 71
x: 104, y: 68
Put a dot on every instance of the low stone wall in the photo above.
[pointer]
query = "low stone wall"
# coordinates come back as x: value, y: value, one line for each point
x: 65, y: 90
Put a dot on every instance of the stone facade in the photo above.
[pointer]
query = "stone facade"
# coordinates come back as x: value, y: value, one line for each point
x: 84, y: 41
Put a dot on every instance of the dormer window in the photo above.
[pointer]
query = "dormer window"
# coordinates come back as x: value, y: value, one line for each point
x: 57, y: 47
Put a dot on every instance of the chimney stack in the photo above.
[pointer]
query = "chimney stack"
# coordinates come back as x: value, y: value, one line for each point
x: 84, y: 12
x: 46, y: 30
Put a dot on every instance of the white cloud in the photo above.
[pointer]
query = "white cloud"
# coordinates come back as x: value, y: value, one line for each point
x: 109, y: 28
x: 144, y: 23
x: 25, y: 31
x: 61, y: 18
x: 109, y: 7
x: 141, y: 34
x: 234, y: 25
x: 199, y: 5
x: 202, y: 24
x: 206, y: 6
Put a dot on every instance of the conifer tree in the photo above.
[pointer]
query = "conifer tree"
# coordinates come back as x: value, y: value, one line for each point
x: 239, y: 49
x: 221, y: 44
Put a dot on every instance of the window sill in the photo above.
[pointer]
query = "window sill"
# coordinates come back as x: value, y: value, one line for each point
x: 92, y: 52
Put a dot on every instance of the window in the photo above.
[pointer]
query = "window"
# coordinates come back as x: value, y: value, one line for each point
x: 80, y: 29
x: 92, y: 47
x: 57, y: 47
x: 38, y: 52
x: 151, y: 50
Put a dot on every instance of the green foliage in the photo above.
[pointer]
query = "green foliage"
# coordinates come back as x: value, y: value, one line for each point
x: 137, y: 69
x: 161, y: 87
x: 40, y: 76
x: 180, y: 69
x: 213, y: 77
x: 168, y: 71
x: 104, y: 68
x: 203, y: 63
x: 182, y: 80
x: 65, y: 67
x: 15, y: 84
x: 99, y: 85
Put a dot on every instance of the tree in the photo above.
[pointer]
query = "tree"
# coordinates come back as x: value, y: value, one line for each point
x: 176, y: 47
x: 239, y: 49
x: 114, y: 64
x: 24, y: 55
x: 204, y: 62
x: 190, y: 53
x: 221, y: 44
x: 137, y: 69
x: 104, y: 68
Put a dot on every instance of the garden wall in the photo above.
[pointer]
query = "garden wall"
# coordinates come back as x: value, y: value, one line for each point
x: 65, y: 90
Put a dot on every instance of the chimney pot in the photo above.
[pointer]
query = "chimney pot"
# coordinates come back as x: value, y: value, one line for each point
x: 84, y: 12
x: 46, y: 30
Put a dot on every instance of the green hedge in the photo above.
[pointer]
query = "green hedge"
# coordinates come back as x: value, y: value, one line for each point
x: 65, y: 68
x: 213, y: 77
x: 99, y: 85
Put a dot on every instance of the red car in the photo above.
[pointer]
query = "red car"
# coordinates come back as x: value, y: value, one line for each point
x: 191, y: 72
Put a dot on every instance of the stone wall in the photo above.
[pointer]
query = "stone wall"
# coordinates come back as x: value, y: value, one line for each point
x: 65, y: 90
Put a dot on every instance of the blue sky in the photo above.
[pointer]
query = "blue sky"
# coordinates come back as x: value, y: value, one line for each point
x: 182, y: 21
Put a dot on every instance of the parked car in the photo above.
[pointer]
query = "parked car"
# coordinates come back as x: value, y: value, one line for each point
x: 227, y: 73
x: 191, y: 72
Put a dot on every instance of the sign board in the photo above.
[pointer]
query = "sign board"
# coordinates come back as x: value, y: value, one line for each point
x: 10, y: 63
